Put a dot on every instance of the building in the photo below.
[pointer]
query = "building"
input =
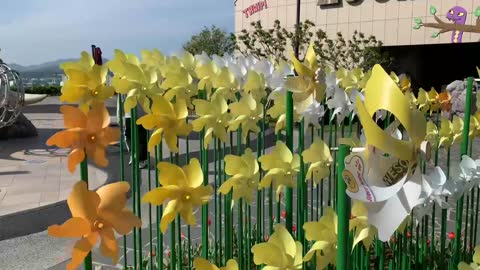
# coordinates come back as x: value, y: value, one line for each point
x: 431, y: 61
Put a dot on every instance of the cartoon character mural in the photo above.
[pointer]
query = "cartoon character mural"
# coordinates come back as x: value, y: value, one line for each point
x: 457, y: 15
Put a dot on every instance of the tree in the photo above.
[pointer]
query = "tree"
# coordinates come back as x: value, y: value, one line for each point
x: 360, y: 51
x: 211, y: 40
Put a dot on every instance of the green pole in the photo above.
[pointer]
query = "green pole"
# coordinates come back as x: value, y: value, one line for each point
x: 122, y: 165
x: 133, y: 158
x: 204, y: 154
x: 84, y: 176
x: 463, y: 151
x: 343, y: 211
x: 289, y: 143
x: 301, y: 190
x: 159, y: 252
x: 150, y: 228
x: 137, y: 179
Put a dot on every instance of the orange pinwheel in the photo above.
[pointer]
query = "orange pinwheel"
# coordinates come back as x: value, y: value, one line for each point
x: 85, y: 133
x: 445, y: 100
x: 96, y: 214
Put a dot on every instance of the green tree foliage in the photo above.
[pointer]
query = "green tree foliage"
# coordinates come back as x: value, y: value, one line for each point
x: 51, y: 90
x: 359, y: 51
x: 211, y: 40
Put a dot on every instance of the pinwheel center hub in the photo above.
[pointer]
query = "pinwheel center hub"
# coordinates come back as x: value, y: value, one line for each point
x: 187, y: 196
x: 98, y: 224
x: 92, y: 138
x: 95, y: 92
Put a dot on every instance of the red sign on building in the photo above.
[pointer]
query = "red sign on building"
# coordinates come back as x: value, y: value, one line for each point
x: 259, y: 6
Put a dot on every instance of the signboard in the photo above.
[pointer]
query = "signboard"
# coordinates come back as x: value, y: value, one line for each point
x: 335, y: 2
x: 257, y: 7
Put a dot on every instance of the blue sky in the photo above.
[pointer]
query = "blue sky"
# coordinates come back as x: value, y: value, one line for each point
x: 36, y: 31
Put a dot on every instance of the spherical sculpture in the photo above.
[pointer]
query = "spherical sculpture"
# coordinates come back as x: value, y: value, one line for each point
x: 12, y: 95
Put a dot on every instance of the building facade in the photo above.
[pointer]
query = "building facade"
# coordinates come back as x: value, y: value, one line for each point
x: 391, y: 21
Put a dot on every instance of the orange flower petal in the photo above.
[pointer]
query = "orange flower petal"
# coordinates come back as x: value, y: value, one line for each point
x: 73, y: 117
x: 108, y: 246
x: 74, y: 227
x: 110, y: 135
x: 74, y: 158
x: 97, y: 154
x: 81, y: 250
x: 122, y: 221
x: 63, y: 139
x: 113, y: 196
x: 98, y: 118
x: 83, y: 202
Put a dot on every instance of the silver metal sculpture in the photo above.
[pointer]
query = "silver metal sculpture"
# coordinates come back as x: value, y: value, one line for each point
x: 12, y: 95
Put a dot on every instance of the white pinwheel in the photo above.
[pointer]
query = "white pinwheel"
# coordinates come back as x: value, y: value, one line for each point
x: 313, y: 114
x: 340, y: 103
x: 466, y: 176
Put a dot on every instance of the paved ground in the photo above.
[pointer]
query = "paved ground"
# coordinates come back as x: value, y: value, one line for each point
x: 39, y: 169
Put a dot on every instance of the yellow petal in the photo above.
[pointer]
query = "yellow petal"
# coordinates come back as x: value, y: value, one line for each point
x: 158, y: 195
x: 169, y: 214
x: 171, y: 139
x: 171, y: 174
x: 155, y: 139
x: 193, y: 173
x: 202, y: 264
x: 262, y: 254
x: 283, y: 240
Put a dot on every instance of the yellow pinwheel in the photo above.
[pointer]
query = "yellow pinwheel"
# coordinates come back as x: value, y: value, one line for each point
x: 434, y: 100
x: 320, y: 158
x: 246, y: 113
x: 423, y: 100
x: 225, y: 84
x: 474, y: 129
x: 154, y: 58
x: 281, y: 252
x: 255, y: 85
x: 475, y: 265
x: 354, y: 79
x: 402, y: 81
x: 213, y: 117
x: 432, y: 133
x: 183, y: 187
x: 324, y: 233
x: 206, y: 73
x: 282, y: 166
x: 167, y: 120
x: 450, y: 132
x: 138, y: 81
x: 245, y: 175
x: 305, y: 87
x: 178, y: 84
x: 85, y: 82
x: 364, y: 232
x: 278, y: 111
x: 412, y: 100
x: 202, y: 264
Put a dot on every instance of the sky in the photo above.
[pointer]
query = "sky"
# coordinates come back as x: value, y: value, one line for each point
x: 38, y: 31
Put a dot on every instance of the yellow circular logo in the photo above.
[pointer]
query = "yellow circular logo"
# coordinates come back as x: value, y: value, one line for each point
x: 350, y: 181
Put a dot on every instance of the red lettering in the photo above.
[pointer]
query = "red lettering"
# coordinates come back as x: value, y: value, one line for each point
x: 245, y: 11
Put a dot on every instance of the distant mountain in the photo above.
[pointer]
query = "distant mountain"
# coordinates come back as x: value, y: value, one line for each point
x: 42, y: 70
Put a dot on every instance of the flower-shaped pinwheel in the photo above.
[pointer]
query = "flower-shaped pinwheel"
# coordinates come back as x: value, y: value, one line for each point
x: 340, y: 104
x: 281, y: 252
x: 282, y: 168
x: 428, y: 101
x: 276, y: 81
x: 359, y: 222
x: 450, y: 132
x: 178, y: 84
x: 246, y: 113
x: 255, y: 85
x: 96, y: 215
x: 86, y: 134
x: 202, y: 264
x: 474, y: 129
x: 305, y: 87
x: 154, y: 58
x: 138, y: 81
x: 205, y: 72
x: 475, y: 265
x: 168, y: 120
x: 432, y: 133
x: 183, y: 187
x: 313, y: 114
x: 320, y: 158
x: 402, y: 81
x: 278, y: 111
x: 324, y: 233
x: 245, y: 175
x: 433, y: 187
x: 445, y: 100
x: 465, y: 176
x: 213, y: 117
x: 225, y: 83
x: 85, y: 82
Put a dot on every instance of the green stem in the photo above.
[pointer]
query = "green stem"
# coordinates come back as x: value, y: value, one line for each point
x: 137, y: 180
x: 150, y: 228
x: 463, y: 151
x: 122, y: 164
x: 84, y: 176
x: 301, y: 190
x: 133, y: 157
x: 159, y: 251
x: 289, y: 143
x: 343, y: 211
